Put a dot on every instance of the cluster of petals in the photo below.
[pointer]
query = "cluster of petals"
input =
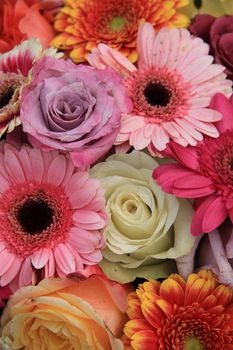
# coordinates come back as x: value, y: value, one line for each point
x: 204, y: 172
x: 178, y: 314
x: 21, y: 20
x: 84, y: 24
x: 15, y: 67
x: 51, y: 215
x: 170, y: 88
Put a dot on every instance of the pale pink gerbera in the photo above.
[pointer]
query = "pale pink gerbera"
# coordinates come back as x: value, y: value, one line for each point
x: 204, y: 172
x: 171, y: 88
x: 15, y: 67
x: 50, y: 216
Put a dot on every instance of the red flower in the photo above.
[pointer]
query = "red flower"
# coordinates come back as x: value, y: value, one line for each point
x: 20, y: 20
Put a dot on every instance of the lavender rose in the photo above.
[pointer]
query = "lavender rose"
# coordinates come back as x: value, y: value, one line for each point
x: 73, y: 108
x: 218, y: 33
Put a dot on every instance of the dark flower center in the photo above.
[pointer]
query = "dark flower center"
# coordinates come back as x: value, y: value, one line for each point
x: 157, y: 95
x: 35, y: 215
x: 6, y: 96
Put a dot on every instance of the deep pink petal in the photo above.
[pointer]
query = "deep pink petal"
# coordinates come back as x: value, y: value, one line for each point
x: 225, y: 107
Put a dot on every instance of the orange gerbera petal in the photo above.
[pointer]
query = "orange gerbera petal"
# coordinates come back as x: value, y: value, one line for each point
x: 196, y: 314
x: 113, y: 22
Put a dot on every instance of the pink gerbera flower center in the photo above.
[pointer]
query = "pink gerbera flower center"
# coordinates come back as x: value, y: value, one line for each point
x: 158, y: 94
x: 34, y: 216
x: 216, y: 162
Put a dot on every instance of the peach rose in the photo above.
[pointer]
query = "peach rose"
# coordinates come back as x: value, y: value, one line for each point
x: 66, y: 314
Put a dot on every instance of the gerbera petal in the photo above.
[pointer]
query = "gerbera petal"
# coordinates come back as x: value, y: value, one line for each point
x: 13, y: 166
x: 7, y: 259
x: 197, y: 221
x: 144, y: 340
x: 11, y: 273
x: 214, y: 215
x: 26, y: 273
x: 40, y: 258
x: 145, y: 39
x: 64, y: 258
x: 57, y: 170
x: 220, y: 103
x: 160, y: 138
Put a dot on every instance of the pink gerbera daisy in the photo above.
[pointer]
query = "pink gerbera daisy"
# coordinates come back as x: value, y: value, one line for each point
x: 15, y: 66
x: 171, y: 89
x: 204, y: 172
x: 50, y: 216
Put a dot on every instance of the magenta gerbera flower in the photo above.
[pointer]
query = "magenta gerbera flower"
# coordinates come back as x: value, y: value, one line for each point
x: 204, y: 172
x: 50, y: 216
x: 15, y: 66
x: 171, y: 89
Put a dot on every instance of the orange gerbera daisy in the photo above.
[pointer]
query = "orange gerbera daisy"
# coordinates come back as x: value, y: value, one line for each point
x: 179, y: 315
x: 86, y: 23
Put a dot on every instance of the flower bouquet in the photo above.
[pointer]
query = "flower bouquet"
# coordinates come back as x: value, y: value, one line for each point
x: 116, y: 175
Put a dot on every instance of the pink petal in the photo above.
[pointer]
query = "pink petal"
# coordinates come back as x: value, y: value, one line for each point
x: 197, y: 67
x: 80, y: 241
x: 26, y: 273
x: 220, y: 103
x: 37, y: 164
x: 86, y: 216
x: 206, y: 115
x: 26, y: 163
x: 192, y: 181
x: 193, y: 192
x: 77, y: 181
x: 4, y: 184
x: 93, y: 258
x: 196, y: 226
x: 69, y: 172
x: 214, y: 215
x: 160, y: 138
x: 145, y: 39
x: 11, y: 272
x: 64, y: 258
x: 185, y: 155
x: 165, y: 175
x: 50, y: 267
x: 13, y: 166
x: 57, y: 170
x: 138, y: 139
x: 7, y: 259
x: 82, y: 197
x: 132, y: 123
x: 40, y: 258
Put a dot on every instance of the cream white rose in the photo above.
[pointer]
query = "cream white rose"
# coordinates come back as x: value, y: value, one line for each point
x: 148, y: 228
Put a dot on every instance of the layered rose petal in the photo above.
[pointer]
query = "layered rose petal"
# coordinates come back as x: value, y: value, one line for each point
x: 145, y: 225
x: 81, y: 115
x: 66, y: 312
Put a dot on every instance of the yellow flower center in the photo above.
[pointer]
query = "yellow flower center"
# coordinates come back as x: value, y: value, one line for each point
x: 192, y: 343
x: 117, y: 23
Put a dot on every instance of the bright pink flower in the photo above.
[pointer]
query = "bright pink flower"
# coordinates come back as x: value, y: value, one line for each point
x: 204, y: 172
x: 50, y: 216
x: 171, y: 89
x: 73, y: 108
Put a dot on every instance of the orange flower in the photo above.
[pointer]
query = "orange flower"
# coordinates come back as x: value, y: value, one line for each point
x: 179, y: 315
x: 21, y: 20
x: 66, y: 314
x: 86, y: 23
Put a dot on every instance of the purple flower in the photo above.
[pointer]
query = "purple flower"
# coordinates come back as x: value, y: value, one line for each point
x: 218, y: 33
x: 73, y: 108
